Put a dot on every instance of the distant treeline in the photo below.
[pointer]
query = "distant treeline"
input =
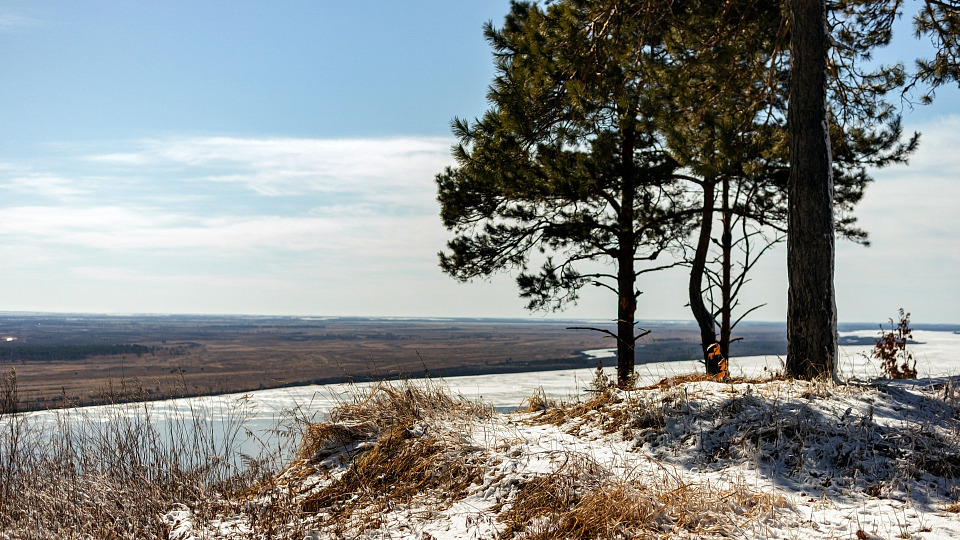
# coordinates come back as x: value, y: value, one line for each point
x: 68, y: 352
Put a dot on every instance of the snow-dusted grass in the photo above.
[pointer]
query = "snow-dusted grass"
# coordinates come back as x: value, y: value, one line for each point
x: 687, y: 457
x: 116, y: 474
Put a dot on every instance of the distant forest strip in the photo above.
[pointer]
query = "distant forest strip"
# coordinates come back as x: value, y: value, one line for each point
x: 69, y: 352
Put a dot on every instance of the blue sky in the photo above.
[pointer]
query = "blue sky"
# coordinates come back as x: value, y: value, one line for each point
x: 278, y: 158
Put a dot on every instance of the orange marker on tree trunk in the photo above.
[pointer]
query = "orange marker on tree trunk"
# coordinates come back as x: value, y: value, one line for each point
x: 713, y: 352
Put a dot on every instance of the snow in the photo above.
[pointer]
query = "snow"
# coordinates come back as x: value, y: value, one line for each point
x: 867, y: 458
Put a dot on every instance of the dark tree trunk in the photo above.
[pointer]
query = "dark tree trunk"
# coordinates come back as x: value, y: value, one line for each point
x: 811, y: 303
x: 726, y: 246
x: 626, y: 276
x: 626, y: 312
x: 708, y: 335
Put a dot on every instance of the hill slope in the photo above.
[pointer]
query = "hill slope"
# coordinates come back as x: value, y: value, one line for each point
x: 686, y: 457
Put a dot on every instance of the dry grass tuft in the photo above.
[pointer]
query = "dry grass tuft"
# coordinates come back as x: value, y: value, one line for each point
x: 399, y: 445
x: 953, y: 508
x: 581, y: 500
x: 612, y: 409
x: 538, y: 401
x: 670, y: 382
x: 379, y: 409
x: 677, y: 380
x: 399, y: 468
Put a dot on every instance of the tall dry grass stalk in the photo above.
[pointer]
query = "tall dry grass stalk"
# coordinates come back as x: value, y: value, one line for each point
x: 115, y: 471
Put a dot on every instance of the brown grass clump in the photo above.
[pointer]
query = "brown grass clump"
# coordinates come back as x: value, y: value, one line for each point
x: 580, y: 500
x: 612, y: 410
x: 670, y: 382
x: 399, y: 468
x: 381, y: 408
x: 538, y: 401
x: 953, y: 508
x: 398, y: 445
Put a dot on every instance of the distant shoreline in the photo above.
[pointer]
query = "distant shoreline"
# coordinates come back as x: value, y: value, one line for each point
x: 847, y: 326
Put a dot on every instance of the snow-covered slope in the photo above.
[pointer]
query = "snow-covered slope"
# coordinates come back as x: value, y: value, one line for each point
x: 682, y: 458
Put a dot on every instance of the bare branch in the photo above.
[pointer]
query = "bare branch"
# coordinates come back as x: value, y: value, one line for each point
x: 601, y: 330
x: 745, y: 313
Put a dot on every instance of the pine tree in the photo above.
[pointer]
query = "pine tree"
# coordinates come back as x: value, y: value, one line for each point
x: 722, y: 79
x: 565, y: 170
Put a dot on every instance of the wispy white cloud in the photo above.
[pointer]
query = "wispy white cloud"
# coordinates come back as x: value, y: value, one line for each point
x: 182, y: 193
x: 285, y: 166
x: 43, y: 184
x: 120, y: 158
x: 117, y: 228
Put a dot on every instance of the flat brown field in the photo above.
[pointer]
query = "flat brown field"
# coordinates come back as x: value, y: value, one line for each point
x: 190, y: 355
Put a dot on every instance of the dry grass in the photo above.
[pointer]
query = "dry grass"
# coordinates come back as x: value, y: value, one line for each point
x: 406, y: 449
x: 671, y: 382
x: 392, y: 449
x: 380, y: 408
x: 537, y: 401
x: 399, y: 445
x: 398, y: 469
x: 116, y: 473
x: 610, y: 409
x: 778, y: 427
x: 582, y: 500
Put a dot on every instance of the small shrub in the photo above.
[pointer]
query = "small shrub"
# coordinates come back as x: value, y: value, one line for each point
x: 601, y: 381
x: 891, y: 349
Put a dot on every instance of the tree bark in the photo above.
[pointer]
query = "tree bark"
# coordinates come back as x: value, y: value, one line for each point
x: 811, y: 303
x: 626, y: 276
x: 626, y: 313
x: 708, y: 334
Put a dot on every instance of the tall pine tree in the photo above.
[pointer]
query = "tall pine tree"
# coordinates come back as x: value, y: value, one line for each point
x: 564, y: 170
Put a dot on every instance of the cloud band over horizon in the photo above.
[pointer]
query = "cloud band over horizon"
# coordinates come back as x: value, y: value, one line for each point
x: 260, y: 225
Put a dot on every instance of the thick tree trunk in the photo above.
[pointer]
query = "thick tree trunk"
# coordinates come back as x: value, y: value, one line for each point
x: 726, y: 246
x: 708, y: 334
x: 811, y: 303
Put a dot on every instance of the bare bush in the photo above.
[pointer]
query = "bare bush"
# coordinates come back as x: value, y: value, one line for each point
x: 891, y: 349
